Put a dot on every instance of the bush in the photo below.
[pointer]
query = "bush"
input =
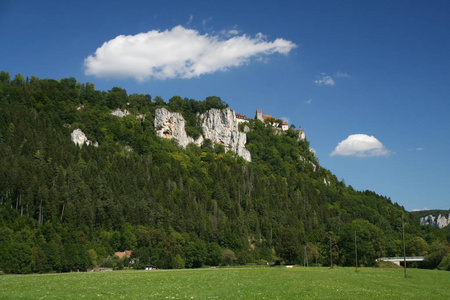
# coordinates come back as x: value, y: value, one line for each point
x: 387, y: 265
x: 445, y: 263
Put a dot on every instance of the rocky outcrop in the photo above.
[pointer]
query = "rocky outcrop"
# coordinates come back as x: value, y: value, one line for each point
x: 120, y: 113
x: 171, y: 125
x: 439, y: 221
x: 301, y: 135
x: 220, y: 126
x: 80, y: 139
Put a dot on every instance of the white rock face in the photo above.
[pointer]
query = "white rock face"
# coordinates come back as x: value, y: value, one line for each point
x: 301, y: 135
x: 80, y: 139
x: 120, y: 113
x: 171, y: 125
x: 220, y: 126
x: 439, y: 221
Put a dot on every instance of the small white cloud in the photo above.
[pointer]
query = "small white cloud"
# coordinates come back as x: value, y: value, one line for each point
x: 420, y: 209
x: 229, y: 33
x: 360, y: 145
x: 324, y: 79
x: 178, y: 53
x: 419, y: 149
x: 309, y: 101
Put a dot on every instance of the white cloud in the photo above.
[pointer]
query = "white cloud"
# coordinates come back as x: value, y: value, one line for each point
x: 324, y: 79
x: 309, y: 101
x: 360, y: 145
x: 420, y: 209
x: 419, y: 149
x: 179, y: 52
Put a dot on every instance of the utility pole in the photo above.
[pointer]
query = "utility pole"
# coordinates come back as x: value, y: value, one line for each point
x: 356, y: 255
x: 305, y: 263
x: 331, y: 255
x: 404, y: 247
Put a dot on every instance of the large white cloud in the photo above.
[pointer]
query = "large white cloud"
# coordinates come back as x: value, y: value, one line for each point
x: 179, y: 52
x: 361, y: 145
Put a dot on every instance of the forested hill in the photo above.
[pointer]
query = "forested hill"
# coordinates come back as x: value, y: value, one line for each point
x: 65, y: 207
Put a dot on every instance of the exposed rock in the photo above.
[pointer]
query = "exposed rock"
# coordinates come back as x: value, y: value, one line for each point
x: 80, y: 139
x: 171, y: 125
x: 220, y: 126
x: 301, y: 135
x: 439, y: 221
x: 312, y: 164
x: 120, y: 113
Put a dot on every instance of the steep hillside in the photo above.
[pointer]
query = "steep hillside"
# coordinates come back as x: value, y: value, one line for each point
x: 68, y: 204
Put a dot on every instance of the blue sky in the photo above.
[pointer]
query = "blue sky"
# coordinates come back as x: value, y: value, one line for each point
x: 367, y: 80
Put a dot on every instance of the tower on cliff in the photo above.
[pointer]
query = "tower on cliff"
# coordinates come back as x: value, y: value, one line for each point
x: 259, y: 115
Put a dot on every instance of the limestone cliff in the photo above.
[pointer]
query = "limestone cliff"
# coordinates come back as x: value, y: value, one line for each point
x: 171, y: 125
x: 439, y: 221
x: 80, y: 139
x: 220, y: 126
x: 120, y: 113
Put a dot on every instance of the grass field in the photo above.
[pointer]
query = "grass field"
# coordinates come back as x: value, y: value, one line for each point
x: 232, y: 283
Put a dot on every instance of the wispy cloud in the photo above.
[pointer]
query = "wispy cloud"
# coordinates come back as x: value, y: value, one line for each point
x: 286, y: 119
x: 191, y: 18
x: 360, y: 145
x: 419, y: 149
x: 324, y: 79
x: 178, y: 53
x: 420, y: 209
x: 205, y: 22
x: 309, y: 101
x: 341, y: 74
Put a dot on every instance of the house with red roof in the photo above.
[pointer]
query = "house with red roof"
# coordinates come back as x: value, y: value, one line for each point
x: 126, y: 253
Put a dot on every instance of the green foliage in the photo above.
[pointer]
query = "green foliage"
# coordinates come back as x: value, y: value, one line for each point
x: 437, y: 254
x: 65, y: 208
x: 445, y: 263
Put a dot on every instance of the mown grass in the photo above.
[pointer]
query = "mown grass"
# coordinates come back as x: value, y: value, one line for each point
x: 231, y: 283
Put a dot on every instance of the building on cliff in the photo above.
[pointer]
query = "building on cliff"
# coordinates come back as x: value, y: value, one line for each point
x: 259, y: 116
x: 241, y: 118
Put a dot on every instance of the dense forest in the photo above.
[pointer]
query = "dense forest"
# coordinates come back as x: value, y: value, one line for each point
x: 66, y: 208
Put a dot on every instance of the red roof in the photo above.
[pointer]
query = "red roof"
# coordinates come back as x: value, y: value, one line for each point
x: 121, y: 255
x: 241, y: 116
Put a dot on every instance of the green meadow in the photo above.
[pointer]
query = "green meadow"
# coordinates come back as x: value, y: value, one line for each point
x: 232, y: 283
